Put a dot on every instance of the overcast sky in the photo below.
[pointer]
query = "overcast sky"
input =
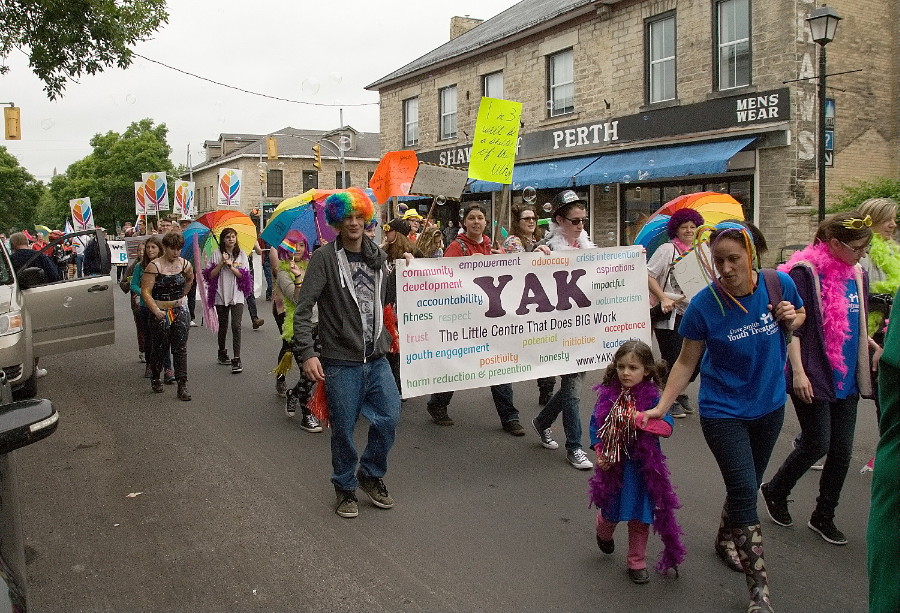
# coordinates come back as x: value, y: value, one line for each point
x: 323, y: 52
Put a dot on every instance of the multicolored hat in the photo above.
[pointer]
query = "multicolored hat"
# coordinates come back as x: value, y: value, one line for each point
x: 339, y: 205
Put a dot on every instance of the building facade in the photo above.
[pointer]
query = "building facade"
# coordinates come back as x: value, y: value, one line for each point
x: 269, y: 181
x: 633, y: 102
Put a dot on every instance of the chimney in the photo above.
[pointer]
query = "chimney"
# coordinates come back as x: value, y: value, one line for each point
x: 461, y: 25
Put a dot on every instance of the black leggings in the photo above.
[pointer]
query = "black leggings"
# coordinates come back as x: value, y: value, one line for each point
x: 236, y: 311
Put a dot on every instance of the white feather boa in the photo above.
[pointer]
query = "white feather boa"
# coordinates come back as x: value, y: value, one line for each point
x: 557, y: 242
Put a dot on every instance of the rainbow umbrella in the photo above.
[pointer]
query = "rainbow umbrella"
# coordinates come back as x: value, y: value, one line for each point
x: 42, y: 230
x: 306, y: 213
x: 211, y: 225
x: 714, y: 207
x: 653, y: 234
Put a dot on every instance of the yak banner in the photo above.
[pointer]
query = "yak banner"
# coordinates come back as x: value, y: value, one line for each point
x: 477, y: 321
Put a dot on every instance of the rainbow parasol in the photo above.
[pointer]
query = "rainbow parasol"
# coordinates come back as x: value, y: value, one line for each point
x: 714, y: 207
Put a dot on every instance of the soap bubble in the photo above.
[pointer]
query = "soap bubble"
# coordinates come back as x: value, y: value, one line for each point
x: 345, y: 143
x: 626, y: 179
x: 310, y: 86
x: 130, y: 99
x: 335, y: 77
x: 547, y: 207
x: 405, y: 187
x: 529, y: 195
x: 611, y: 236
x: 262, y: 167
x: 440, y: 200
x: 47, y: 123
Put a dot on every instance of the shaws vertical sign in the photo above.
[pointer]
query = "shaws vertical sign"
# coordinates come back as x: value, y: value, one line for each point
x: 718, y: 114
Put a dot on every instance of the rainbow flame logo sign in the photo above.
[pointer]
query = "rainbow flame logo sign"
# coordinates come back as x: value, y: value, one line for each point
x: 181, y: 196
x: 155, y: 190
x: 140, y: 203
x: 82, y: 214
x: 230, y: 187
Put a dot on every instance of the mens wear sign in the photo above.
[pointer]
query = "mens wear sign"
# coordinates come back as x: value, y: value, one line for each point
x: 476, y: 321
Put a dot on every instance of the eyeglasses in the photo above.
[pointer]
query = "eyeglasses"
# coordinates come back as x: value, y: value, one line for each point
x: 578, y: 221
x: 857, y: 250
x: 530, y: 218
x: 857, y: 224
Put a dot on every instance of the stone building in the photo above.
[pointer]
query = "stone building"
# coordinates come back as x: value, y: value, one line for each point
x: 633, y: 102
x: 292, y: 172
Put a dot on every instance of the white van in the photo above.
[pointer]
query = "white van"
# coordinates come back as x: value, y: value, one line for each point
x: 38, y: 319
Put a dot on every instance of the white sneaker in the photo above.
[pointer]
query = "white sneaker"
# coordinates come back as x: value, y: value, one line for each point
x: 546, y: 436
x: 40, y: 372
x: 579, y: 459
x: 193, y: 324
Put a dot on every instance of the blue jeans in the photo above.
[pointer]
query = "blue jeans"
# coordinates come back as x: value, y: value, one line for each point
x: 267, y: 273
x: 503, y: 401
x: 367, y: 389
x: 566, y: 401
x: 826, y: 429
x: 742, y: 448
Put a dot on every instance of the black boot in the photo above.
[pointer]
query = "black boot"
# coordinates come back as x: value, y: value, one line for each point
x: 725, y: 548
x: 748, y: 541
x: 157, y: 386
x: 183, y: 393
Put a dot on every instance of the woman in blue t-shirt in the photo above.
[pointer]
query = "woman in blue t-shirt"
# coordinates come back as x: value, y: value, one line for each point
x: 737, y: 332
x: 829, y: 367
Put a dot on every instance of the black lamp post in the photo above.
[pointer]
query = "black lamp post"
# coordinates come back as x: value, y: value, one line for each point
x: 822, y: 24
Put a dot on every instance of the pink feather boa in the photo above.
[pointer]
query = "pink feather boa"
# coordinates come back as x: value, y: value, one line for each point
x: 606, y: 485
x: 833, y: 276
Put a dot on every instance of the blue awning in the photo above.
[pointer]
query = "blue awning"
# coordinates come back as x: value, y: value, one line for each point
x: 705, y: 158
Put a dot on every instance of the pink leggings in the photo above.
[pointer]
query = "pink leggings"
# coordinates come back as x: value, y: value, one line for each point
x: 638, y: 532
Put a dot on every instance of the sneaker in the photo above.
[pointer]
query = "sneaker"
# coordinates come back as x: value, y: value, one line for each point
x: 290, y: 405
x: 639, y: 575
x: 546, y: 436
x: 141, y: 357
x: 578, y: 458
x: 375, y: 489
x: 310, y: 423
x: 439, y: 416
x: 685, y: 403
x: 224, y: 359
x: 514, y: 427
x: 40, y: 372
x: 677, y: 410
x: 257, y: 323
x: 193, y: 324
x: 281, y: 387
x: 606, y: 546
x: 169, y: 377
x: 236, y: 366
x: 544, y: 397
x: 157, y: 386
x: 827, y: 530
x: 777, y: 508
x: 346, y: 505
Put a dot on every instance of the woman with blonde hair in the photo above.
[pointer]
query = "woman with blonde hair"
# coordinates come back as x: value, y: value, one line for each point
x: 882, y: 262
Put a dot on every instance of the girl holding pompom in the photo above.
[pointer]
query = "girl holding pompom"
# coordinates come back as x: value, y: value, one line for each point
x: 632, y: 482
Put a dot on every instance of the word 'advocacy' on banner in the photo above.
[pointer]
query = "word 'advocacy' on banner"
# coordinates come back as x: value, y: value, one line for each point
x: 476, y: 321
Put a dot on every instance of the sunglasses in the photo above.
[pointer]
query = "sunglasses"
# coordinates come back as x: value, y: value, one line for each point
x: 857, y: 250
x: 577, y: 221
x: 858, y: 224
x: 529, y: 218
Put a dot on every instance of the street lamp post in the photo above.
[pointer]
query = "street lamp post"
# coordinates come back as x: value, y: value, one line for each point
x: 822, y: 25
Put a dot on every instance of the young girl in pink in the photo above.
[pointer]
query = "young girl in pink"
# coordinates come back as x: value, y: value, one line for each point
x: 632, y: 482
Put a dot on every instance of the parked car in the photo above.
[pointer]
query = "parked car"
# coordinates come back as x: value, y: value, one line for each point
x: 38, y: 318
x: 21, y: 423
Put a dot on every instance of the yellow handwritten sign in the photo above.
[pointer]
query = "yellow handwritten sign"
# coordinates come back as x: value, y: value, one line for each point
x: 496, y: 140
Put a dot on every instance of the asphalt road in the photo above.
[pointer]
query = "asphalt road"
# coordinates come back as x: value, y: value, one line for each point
x: 140, y: 502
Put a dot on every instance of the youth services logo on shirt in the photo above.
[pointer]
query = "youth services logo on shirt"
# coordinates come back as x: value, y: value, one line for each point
x: 766, y: 325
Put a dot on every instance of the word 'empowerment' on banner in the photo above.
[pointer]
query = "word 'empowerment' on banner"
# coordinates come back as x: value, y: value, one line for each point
x: 483, y: 320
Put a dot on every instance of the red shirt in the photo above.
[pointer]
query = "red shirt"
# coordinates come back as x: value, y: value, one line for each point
x: 455, y: 250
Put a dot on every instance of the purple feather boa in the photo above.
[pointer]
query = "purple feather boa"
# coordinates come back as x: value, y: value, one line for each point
x: 244, y: 283
x: 605, y: 486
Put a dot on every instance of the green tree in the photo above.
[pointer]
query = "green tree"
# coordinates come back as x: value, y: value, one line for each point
x: 20, y: 194
x: 855, y: 194
x: 107, y: 175
x: 65, y: 39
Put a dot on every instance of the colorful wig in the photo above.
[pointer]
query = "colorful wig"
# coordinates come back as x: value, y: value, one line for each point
x: 289, y: 245
x: 682, y: 216
x: 339, y: 205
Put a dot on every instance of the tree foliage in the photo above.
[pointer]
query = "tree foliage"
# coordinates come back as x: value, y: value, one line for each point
x: 855, y: 194
x: 107, y: 175
x: 65, y: 39
x: 20, y: 194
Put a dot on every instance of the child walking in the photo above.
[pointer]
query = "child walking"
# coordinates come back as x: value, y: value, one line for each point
x: 632, y: 482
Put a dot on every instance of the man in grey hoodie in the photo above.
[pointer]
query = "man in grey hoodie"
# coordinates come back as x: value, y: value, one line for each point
x: 348, y: 281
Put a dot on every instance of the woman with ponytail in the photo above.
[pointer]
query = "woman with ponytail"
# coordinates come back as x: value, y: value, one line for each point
x: 735, y: 325
x: 828, y: 368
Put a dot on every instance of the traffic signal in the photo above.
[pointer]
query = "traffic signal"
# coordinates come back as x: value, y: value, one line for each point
x: 271, y: 148
x: 13, y: 126
x: 317, y: 150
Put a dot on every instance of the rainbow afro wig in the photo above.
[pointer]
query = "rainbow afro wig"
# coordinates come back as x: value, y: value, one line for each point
x: 343, y: 203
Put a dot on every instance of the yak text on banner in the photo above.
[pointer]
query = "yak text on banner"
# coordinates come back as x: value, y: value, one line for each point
x: 476, y: 321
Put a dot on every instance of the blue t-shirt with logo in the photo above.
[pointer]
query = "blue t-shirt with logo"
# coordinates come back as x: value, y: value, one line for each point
x: 742, y: 370
x: 845, y: 385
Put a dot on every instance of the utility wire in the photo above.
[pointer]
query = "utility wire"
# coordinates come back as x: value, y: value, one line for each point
x: 247, y: 91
